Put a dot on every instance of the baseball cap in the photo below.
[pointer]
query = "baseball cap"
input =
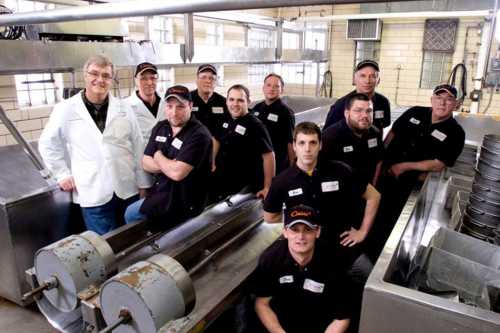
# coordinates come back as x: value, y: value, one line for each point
x: 451, y: 90
x: 145, y: 66
x: 367, y: 62
x: 206, y: 67
x: 180, y: 92
x: 301, y: 214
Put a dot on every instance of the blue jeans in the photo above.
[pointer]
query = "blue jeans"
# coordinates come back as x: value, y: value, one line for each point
x: 132, y: 212
x: 104, y: 218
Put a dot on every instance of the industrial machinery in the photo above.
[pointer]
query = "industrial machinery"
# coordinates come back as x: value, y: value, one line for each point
x: 133, y: 281
x: 429, y: 277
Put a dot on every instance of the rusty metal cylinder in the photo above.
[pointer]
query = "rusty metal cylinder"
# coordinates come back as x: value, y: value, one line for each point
x: 75, y: 262
x: 154, y: 292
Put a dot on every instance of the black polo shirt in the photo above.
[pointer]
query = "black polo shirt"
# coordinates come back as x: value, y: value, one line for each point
x: 152, y: 108
x: 239, y: 160
x: 175, y: 201
x: 212, y: 113
x: 361, y: 153
x: 417, y: 139
x: 279, y: 120
x: 98, y: 112
x: 381, y: 111
x: 305, y: 299
x: 333, y: 189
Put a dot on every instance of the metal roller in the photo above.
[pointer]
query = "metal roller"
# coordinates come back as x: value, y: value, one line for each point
x: 70, y: 265
x: 152, y: 292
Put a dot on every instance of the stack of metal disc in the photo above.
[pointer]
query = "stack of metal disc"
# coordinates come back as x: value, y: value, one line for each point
x: 482, y: 215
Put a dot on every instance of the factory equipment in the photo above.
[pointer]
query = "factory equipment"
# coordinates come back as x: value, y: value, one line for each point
x: 429, y: 276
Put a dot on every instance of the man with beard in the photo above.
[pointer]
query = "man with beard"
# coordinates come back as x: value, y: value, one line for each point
x: 354, y: 140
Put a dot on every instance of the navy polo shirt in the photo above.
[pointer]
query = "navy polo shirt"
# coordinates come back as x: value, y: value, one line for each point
x: 239, y: 161
x: 381, y: 111
x: 417, y: 139
x: 361, y: 153
x: 174, y: 201
x: 333, y: 189
x: 279, y: 120
x: 212, y: 113
x: 305, y: 299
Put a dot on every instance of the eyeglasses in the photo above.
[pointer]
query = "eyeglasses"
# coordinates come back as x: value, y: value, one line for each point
x: 148, y: 77
x: 104, y: 76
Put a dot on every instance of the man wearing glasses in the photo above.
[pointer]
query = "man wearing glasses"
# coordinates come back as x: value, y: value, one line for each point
x: 422, y: 140
x: 99, y: 135
x: 146, y: 102
x: 354, y: 140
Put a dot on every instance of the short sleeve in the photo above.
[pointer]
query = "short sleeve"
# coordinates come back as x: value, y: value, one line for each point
x: 151, y: 146
x: 262, y: 139
x: 335, y: 114
x: 194, y: 149
x: 261, y: 280
x: 274, y: 199
x: 452, y: 149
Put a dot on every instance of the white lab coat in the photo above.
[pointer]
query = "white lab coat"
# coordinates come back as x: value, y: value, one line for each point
x: 100, y: 163
x: 144, y: 117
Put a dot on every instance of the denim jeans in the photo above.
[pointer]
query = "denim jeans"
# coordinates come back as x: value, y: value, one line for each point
x: 104, y: 218
x: 132, y: 212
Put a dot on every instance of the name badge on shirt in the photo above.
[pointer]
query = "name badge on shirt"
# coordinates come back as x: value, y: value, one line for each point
x: 372, y: 143
x: 314, y: 286
x: 240, y: 129
x: 217, y: 109
x: 195, y: 108
x: 225, y: 125
x: 272, y: 117
x: 286, y: 279
x: 438, y: 135
x: 293, y: 193
x: 160, y: 138
x: 348, y: 149
x: 330, y: 186
x: 414, y: 121
x: 177, y: 143
x: 379, y: 114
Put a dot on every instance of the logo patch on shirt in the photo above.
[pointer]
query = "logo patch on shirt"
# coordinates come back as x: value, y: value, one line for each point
x: 330, y: 186
x: 438, y: 135
x: 286, y: 279
x: 315, y: 287
x: 160, y: 138
x: 372, y: 143
x: 379, y: 114
x: 240, y: 129
x: 293, y: 193
x: 217, y: 109
x: 414, y: 121
x: 348, y: 149
x: 225, y: 125
x: 177, y: 143
x: 195, y: 108
x: 256, y: 113
x: 272, y: 117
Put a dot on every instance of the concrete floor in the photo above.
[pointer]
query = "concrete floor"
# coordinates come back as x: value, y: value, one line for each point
x: 15, y: 319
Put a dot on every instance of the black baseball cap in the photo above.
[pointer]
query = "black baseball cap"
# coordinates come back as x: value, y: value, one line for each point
x: 145, y: 66
x: 367, y: 62
x: 206, y: 67
x: 302, y: 214
x: 451, y: 90
x: 180, y: 92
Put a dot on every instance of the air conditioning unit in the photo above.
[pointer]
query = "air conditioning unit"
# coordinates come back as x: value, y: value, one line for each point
x: 364, y: 29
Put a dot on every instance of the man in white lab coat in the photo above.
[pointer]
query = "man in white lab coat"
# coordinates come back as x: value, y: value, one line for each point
x: 145, y: 101
x: 101, y: 138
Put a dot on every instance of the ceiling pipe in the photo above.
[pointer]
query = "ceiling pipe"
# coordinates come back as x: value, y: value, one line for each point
x: 156, y: 7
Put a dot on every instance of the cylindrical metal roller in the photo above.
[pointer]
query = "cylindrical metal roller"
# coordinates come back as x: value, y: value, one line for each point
x: 75, y: 262
x: 152, y: 292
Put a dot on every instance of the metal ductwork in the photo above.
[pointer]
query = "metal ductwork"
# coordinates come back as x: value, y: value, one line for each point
x: 156, y: 7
